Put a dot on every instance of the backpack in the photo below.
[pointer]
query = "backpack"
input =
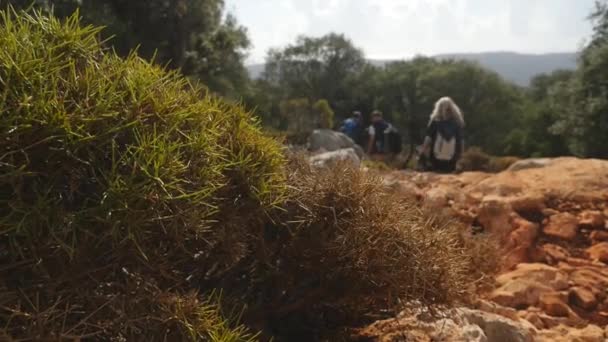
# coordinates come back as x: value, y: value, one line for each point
x: 444, y: 149
x: 395, y: 144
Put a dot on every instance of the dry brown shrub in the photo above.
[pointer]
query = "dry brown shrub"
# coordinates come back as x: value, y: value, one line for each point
x: 353, y: 245
x: 499, y: 164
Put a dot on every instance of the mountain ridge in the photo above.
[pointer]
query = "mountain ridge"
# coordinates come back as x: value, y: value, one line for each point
x: 515, y: 67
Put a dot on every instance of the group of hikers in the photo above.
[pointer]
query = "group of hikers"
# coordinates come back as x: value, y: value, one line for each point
x: 443, y: 143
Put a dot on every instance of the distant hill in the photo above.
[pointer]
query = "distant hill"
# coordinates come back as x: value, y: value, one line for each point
x: 515, y: 67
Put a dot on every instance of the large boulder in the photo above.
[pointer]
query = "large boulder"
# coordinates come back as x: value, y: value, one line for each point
x: 330, y: 158
x: 328, y: 140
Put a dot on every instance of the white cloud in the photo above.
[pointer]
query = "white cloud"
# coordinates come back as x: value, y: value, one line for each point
x: 403, y: 28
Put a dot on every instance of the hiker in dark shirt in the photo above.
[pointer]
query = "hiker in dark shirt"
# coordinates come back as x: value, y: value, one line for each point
x: 444, y: 142
x: 384, y: 139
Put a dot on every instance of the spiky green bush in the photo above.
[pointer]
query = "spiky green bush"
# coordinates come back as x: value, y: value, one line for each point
x: 127, y: 195
x: 118, y: 187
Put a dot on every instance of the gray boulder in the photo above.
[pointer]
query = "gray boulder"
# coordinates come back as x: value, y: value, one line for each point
x: 328, y: 140
x: 330, y: 158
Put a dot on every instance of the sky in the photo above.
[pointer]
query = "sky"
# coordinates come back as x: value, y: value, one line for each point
x: 398, y: 29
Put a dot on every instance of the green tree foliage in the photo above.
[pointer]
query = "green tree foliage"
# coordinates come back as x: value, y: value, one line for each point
x: 191, y: 35
x: 534, y: 136
x: 298, y: 113
x: 315, y: 68
x: 324, y: 113
x: 579, y: 103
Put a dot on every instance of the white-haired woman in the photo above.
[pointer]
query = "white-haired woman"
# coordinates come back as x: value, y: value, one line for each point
x: 444, y: 141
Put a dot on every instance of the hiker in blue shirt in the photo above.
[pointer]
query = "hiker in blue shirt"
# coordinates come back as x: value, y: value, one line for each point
x: 444, y: 142
x: 353, y: 127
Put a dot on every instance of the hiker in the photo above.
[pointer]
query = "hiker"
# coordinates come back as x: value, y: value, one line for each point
x: 384, y: 139
x: 444, y: 141
x: 353, y: 127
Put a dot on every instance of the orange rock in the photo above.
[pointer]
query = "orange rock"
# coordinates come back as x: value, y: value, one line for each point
x: 519, y: 293
x: 519, y: 242
x: 598, y: 236
x: 589, y: 277
x: 495, y: 215
x: 549, y: 212
x: 577, y: 262
x: 541, y: 274
x: 554, y: 253
x: 599, y: 252
x: 533, y: 318
x: 593, y: 219
x: 533, y: 203
x: 554, y: 305
x: 583, y: 298
x: 562, y: 226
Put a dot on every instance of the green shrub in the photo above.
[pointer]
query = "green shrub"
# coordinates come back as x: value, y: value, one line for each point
x: 325, y: 114
x: 499, y: 164
x: 474, y: 159
x: 118, y: 187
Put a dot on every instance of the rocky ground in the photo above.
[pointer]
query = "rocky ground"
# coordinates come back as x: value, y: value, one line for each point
x: 551, y: 219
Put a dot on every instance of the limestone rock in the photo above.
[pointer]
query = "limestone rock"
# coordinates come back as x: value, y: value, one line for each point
x: 538, y: 273
x: 519, y: 293
x: 563, y: 333
x: 553, y: 304
x: 593, y: 219
x: 589, y: 277
x: 598, y: 236
x: 436, y: 198
x: 329, y: 141
x: 599, y: 252
x: 494, y: 215
x: 498, y: 328
x: 529, y: 203
x: 562, y: 226
x: 329, y: 158
x: 554, y: 253
x: 583, y: 298
x: 519, y: 242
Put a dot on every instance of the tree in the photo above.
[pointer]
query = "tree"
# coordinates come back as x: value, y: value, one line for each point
x: 534, y: 136
x: 316, y: 68
x: 298, y: 114
x: 581, y: 104
x: 191, y: 35
x: 409, y: 90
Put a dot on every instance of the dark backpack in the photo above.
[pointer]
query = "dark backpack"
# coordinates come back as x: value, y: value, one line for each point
x: 394, y: 141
